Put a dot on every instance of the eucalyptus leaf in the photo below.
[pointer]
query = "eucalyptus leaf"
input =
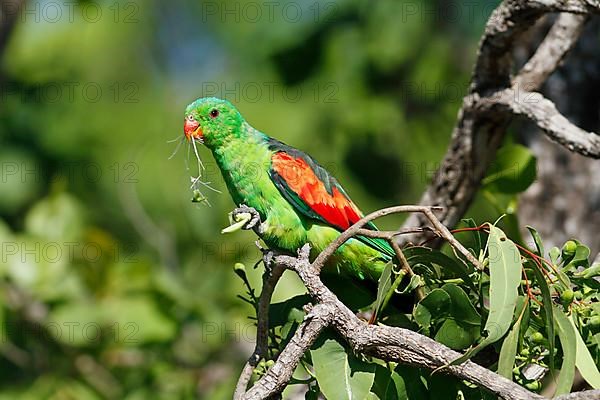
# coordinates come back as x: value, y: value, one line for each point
x: 341, y: 375
x: 537, y: 240
x: 580, y: 258
x: 461, y: 307
x: 508, y: 351
x: 424, y: 255
x: 505, y: 277
x: 383, y: 286
x: 548, y: 309
x: 584, y: 361
x: 433, y: 306
x: 566, y: 334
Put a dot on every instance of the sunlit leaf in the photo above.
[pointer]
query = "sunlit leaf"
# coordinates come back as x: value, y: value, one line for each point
x: 340, y: 375
x: 508, y: 352
x: 505, y: 277
x: 584, y: 361
x: 566, y: 334
x: 383, y: 287
x: 537, y: 240
x: 548, y: 308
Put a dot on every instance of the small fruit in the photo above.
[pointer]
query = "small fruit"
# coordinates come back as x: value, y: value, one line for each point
x: 537, y: 338
x: 525, y: 352
x: 569, y: 248
x: 566, y: 297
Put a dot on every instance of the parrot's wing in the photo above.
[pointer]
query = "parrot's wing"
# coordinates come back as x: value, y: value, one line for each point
x: 315, y: 193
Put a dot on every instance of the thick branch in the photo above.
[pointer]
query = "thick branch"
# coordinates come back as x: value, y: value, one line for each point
x: 395, y: 344
x: 277, y: 377
x: 544, y: 114
x: 387, y: 343
x: 477, y: 135
x: 559, y: 40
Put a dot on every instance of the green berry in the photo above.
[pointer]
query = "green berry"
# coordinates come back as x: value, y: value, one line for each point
x: 566, y: 297
x: 537, y: 338
x: 569, y: 248
x: 525, y: 352
x: 594, y: 322
x: 533, y: 386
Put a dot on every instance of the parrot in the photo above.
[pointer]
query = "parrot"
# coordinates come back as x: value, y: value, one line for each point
x: 296, y: 199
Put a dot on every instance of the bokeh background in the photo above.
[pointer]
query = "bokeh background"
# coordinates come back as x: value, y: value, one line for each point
x: 113, y: 284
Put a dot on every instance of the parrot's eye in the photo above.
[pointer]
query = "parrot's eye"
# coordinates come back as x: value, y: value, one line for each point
x: 190, y: 117
x: 214, y: 113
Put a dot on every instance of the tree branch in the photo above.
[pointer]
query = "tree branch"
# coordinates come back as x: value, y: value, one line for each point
x: 477, y: 134
x: 384, y: 342
x: 544, y: 114
x: 270, y: 278
x: 493, y: 100
x: 387, y: 343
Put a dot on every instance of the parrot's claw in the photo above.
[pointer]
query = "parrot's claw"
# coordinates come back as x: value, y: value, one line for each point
x: 268, y: 258
x: 244, y: 209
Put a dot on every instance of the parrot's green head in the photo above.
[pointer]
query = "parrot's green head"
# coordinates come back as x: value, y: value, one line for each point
x: 212, y: 121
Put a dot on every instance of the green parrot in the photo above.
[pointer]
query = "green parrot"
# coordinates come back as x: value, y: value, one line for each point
x: 296, y: 199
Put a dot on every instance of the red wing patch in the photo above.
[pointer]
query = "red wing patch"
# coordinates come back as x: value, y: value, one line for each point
x: 335, y: 208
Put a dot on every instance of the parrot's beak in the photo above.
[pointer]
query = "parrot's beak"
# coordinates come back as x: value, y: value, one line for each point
x: 191, y: 129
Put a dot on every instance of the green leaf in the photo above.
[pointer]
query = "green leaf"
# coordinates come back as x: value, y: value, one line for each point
x: 461, y: 307
x: 402, y: 383
x: 584, y: 361
x: 383, y: 286
x: 470, y: 222
x: 513, y: 170
x: 508, y: 352
x: 537, y: 240
x: 505, y: 277
x: 548, y: 307
x: 554, y: 254
x: 590, y: 272
x: 433, y: 306
x: 580, y: 258
x: 455, y: 335
x: 566, y: 334
x: 424, y: 255
x: 340, y: 375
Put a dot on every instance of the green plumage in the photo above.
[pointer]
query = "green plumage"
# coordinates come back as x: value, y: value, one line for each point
x: 244, y: 156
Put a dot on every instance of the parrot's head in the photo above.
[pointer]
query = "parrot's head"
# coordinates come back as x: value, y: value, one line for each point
x: 211, y: 121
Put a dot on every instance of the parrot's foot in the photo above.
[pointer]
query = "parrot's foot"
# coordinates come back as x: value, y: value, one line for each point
x: 244, y: 209
x: 244, y: 217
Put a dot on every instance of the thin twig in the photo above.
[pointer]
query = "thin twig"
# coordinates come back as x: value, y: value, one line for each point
x: 425, y: 210
x: 271, y: 276
x: 406, y: 267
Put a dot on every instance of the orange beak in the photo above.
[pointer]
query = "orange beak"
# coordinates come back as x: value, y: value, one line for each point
x: 191, y: 129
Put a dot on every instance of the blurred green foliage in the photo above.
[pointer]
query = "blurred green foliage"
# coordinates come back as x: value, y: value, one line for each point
x: 114, y: 285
